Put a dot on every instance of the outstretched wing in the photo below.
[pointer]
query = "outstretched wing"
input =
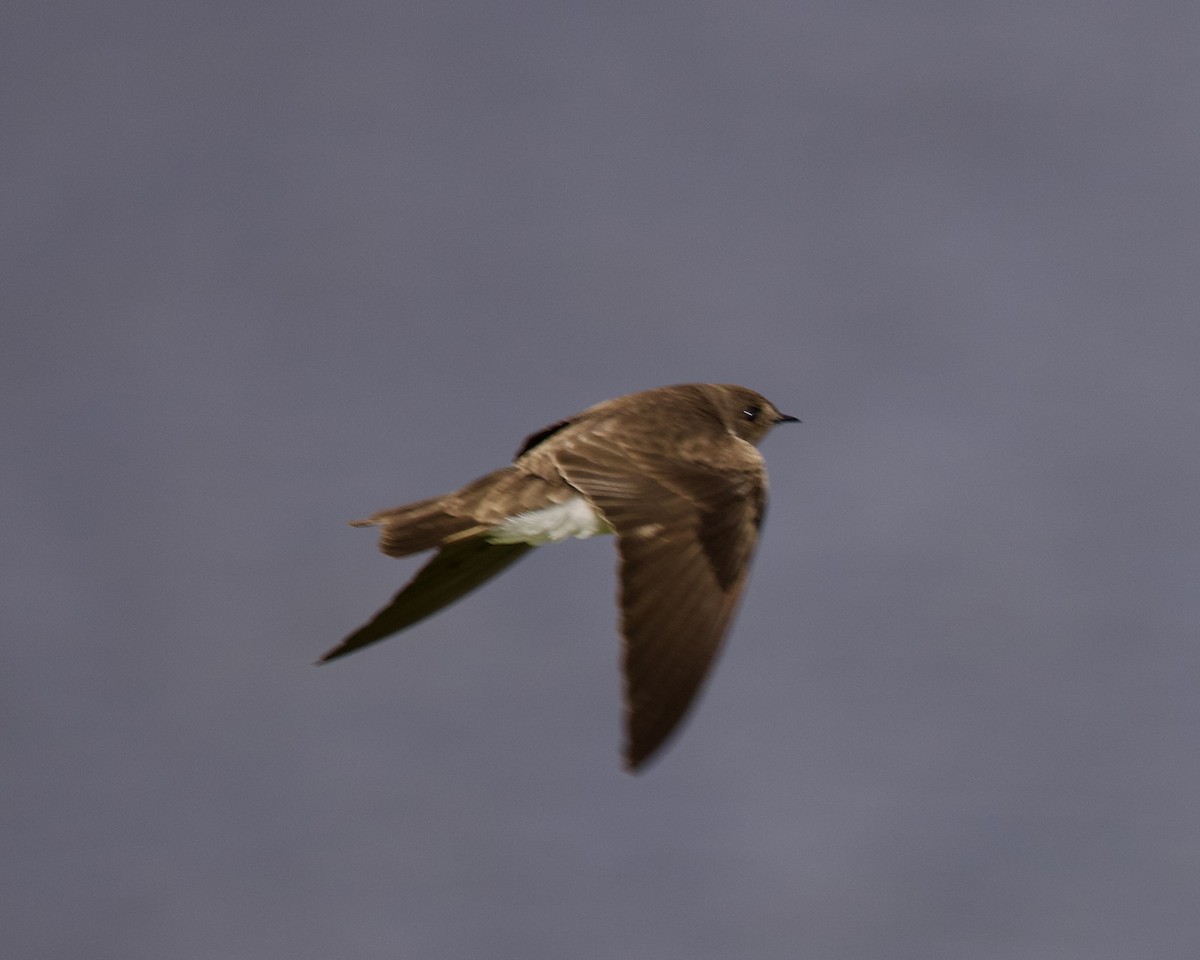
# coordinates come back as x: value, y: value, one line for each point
x: 686, y: 532
x: 455, y: 570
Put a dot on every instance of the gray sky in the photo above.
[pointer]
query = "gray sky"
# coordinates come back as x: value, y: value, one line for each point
x: 270, y: 267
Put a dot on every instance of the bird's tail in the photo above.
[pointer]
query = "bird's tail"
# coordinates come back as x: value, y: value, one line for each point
x: 419, y: 526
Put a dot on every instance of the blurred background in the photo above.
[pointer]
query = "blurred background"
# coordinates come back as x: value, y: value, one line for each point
x: 270, y: 267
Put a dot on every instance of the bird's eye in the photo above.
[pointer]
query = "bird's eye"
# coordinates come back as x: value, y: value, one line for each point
x: 751, y: 413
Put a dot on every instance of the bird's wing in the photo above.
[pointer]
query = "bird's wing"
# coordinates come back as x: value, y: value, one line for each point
x: 455, y: 570
x: 686, y: 532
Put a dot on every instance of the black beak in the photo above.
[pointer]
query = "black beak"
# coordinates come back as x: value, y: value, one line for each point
x: 784, y: 418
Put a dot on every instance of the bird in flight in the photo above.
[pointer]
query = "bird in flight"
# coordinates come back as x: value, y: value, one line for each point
x: 673, y: 472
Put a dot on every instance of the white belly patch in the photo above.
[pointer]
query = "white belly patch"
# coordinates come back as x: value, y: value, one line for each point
x: 575, y: 518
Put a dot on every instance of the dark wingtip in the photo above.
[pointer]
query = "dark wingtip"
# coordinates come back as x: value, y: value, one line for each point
x: 339, y: 651
x: 637, y: 756
x: 362, y: 637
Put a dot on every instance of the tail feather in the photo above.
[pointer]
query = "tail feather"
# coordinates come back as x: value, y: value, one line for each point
x: 455, y: 570
x: 419, y: 526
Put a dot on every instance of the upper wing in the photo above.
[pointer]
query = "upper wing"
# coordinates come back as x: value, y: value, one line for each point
x: 686, y: 531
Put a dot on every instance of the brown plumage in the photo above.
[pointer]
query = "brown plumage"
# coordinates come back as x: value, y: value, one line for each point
x: 672, y: 471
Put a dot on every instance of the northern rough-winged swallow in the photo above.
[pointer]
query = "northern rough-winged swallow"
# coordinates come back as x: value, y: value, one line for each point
x: 673, y: 472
